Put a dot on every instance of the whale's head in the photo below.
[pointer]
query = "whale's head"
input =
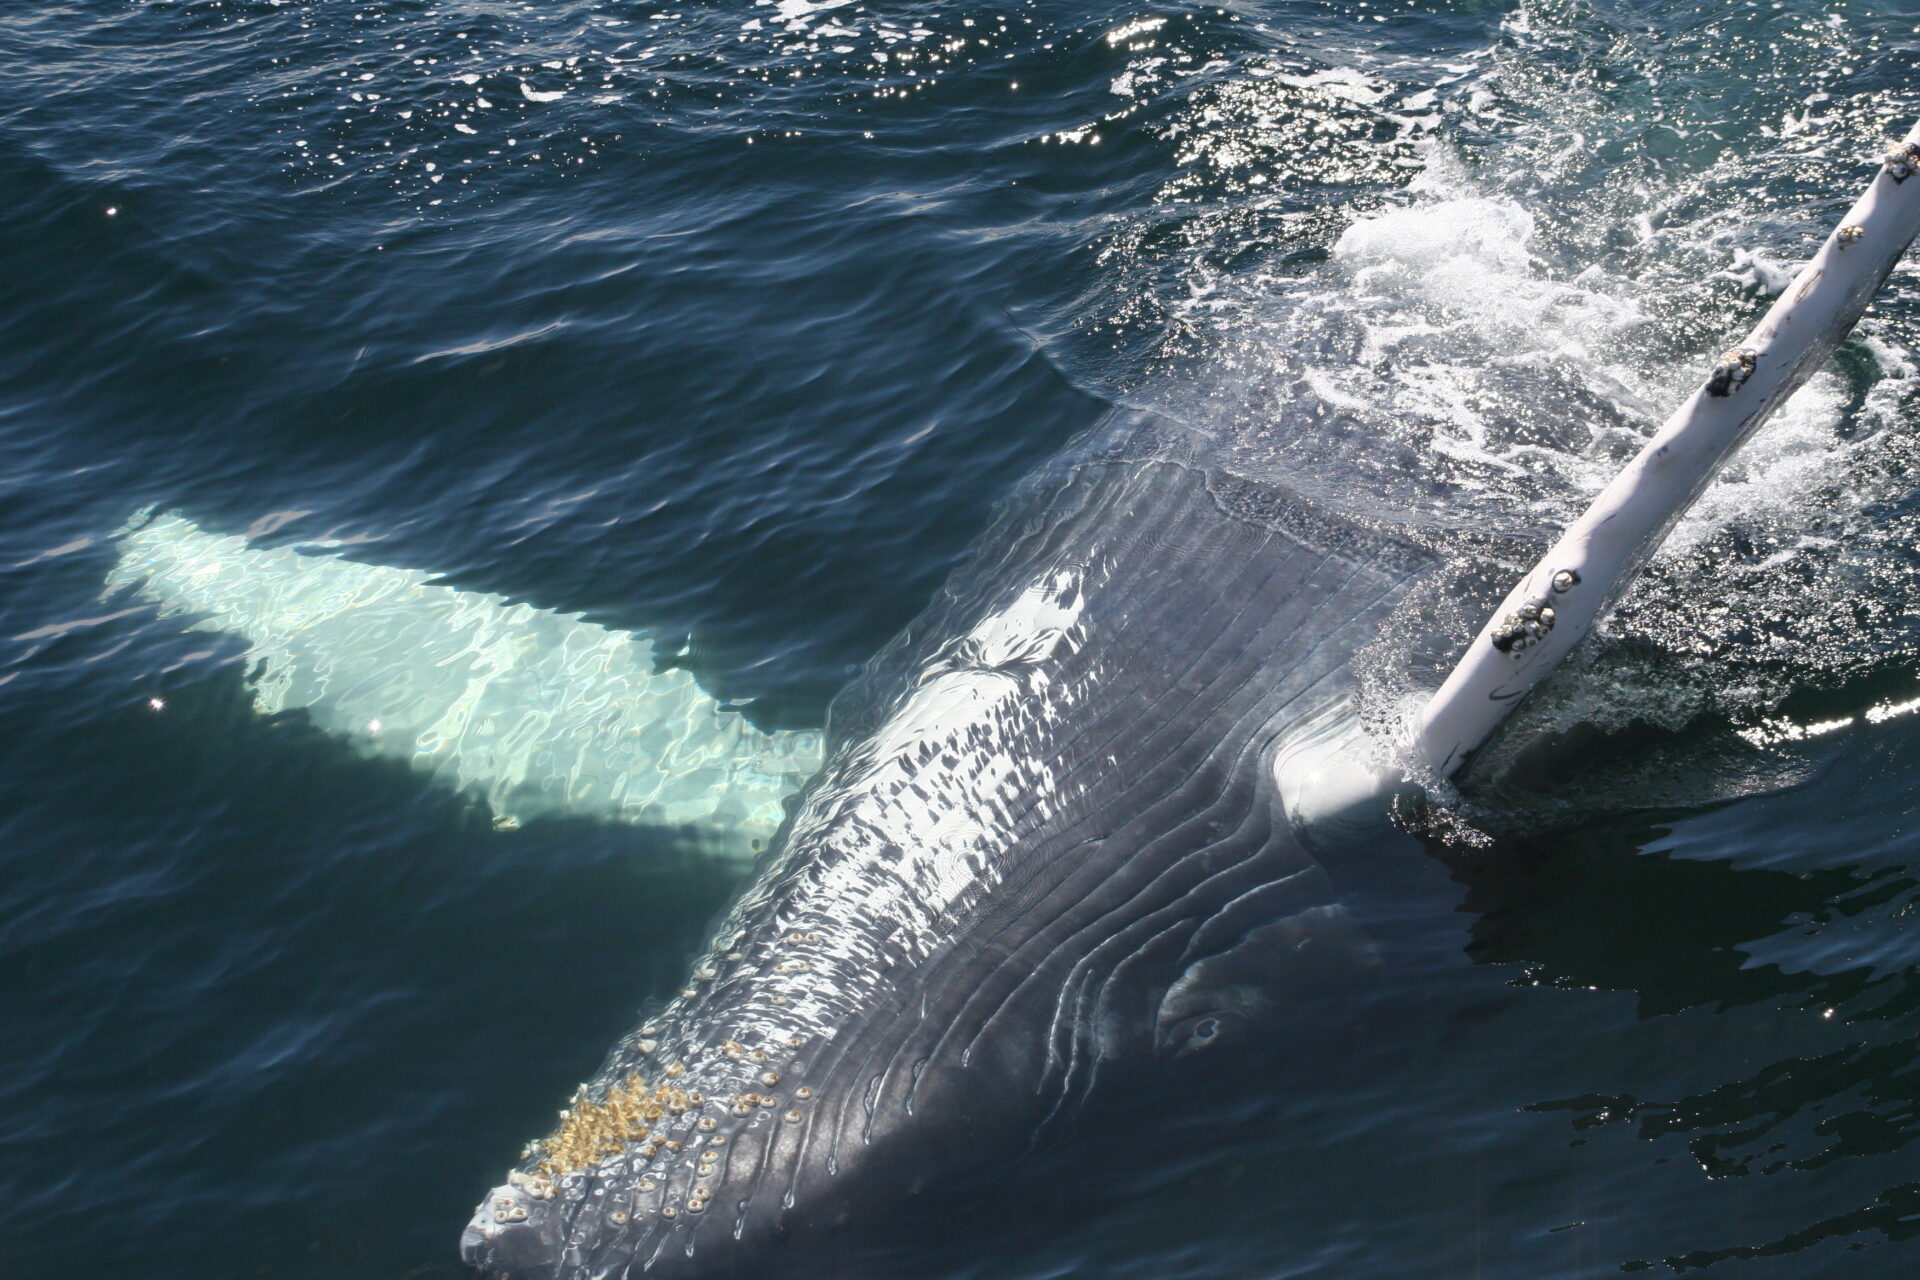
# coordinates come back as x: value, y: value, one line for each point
x: 1047, y: 849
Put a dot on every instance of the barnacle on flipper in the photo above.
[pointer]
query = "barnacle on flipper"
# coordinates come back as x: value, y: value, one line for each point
x: 590, y: 1131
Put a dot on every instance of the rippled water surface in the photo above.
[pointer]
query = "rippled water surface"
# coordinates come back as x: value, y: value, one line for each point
x: 722, y: 327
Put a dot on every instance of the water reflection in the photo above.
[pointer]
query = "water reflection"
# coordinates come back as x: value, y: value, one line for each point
x: 1774, y: 1043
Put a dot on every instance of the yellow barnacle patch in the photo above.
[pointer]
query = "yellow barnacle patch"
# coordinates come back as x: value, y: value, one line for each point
x: 590, y: 1130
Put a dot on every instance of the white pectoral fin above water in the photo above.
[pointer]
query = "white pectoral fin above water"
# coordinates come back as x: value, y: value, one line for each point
x: 537, y: 712
x: 1558, y: 602
x: 1329, y: 778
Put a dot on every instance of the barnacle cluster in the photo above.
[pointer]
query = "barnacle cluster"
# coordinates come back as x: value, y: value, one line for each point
x: 590, y: 1130
x: 1528, y: 625
x: 1903, y: 161
x: 1733, y: 369
x: 1524, y: 627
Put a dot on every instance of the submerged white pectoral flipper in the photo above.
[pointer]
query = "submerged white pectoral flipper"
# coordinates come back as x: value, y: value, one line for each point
x: 538, y: 712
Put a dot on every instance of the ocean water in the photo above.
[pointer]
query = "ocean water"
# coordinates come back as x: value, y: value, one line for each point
x: 713, y: 333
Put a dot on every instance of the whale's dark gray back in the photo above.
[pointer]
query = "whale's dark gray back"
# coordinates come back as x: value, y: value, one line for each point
x: 1045, y: 844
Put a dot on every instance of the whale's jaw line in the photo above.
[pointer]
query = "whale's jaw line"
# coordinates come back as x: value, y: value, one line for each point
x: 1047, y: 843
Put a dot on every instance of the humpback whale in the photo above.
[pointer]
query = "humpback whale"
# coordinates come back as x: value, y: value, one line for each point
x: 1084, y: 814
x: 534, y: 712
x: 1049, y: 843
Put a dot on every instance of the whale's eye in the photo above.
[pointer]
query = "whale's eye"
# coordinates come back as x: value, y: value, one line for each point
x: 1204, y: 1033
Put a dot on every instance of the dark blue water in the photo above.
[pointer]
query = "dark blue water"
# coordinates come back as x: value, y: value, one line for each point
x: 729, y: 323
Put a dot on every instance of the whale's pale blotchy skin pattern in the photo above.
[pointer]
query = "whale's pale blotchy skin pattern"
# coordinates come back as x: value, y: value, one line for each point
x: 1046, y: 842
